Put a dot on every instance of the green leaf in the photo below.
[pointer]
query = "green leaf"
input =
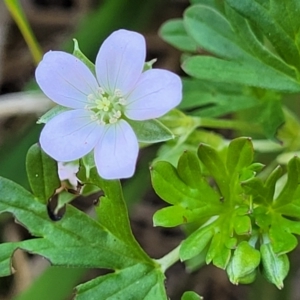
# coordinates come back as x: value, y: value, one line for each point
x: 50, y: 114
x: 173, y: 216
x: 191, y: 196
x: 151, y: 131
x: 275, y: 268
x: 239, y: 155
x: 77, y: 52
x: 239, y: 72
x: 216, y: 167
x: 242, y: 225
x: 79, y: 241
x: 191, y: 296
x: 289, y: 191
x: 195, y: 243
x: 253, y: 42
x: 271, y: 182
x: 139, y: 281
x: 112, y: 212
x: 244, y: 262
x: 212, y: 99
x: 189, y: 169
x: 247, y: 61
x: 42, y: 173
x: 169, y: 186
x: 281, y: 240
x: 218, y: 253
x: 211, y: 31
x: 270, y: 116
x: 174, y: 33
x: 270, y: 21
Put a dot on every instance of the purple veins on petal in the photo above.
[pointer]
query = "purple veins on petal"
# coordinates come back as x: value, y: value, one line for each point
x: 120, y: 61
x: 156, y: 93
x: 65, y: 79
x: 117, y: 151
x: 70, y: 135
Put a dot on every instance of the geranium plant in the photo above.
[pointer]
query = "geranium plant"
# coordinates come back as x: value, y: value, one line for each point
x: 236, y: 213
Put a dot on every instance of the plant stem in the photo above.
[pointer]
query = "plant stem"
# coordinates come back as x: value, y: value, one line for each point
x: 169, y: 259
x: 228, y: 124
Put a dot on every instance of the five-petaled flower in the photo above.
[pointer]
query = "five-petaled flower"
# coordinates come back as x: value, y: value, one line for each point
x: 99, y: 107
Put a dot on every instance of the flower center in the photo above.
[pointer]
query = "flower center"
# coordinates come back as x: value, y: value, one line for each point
x: 106, y: 108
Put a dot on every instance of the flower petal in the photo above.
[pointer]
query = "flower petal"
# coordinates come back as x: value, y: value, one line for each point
x: 157, y: 92
x: 65, y: 79
x: 117, y: 151
x: 120, y: 61
x: 70, y: 135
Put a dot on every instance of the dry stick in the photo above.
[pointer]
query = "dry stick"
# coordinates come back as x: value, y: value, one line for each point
x: 24, y: 103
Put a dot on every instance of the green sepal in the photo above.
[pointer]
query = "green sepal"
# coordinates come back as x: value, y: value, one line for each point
x: 42, y: 173
x: 243, y: 263
x: 151, y: 131
x: 50, y: 114
x: 275, y: 267
x: 149, y: 64
x: 77, y: 53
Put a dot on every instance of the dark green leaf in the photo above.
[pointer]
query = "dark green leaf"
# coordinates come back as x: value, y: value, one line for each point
x: 79, y: 241
x: 239, y: 72
x: 253, y: 44
x: 139, y: 281
x: 269, y: 19
x: 212, y: 99
x: 42, y: 173
x: 270, y: 116
x: 112, y: 212
x: 211, y: 31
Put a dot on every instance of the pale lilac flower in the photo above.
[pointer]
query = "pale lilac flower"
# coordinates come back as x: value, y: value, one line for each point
x: 100, y: 106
